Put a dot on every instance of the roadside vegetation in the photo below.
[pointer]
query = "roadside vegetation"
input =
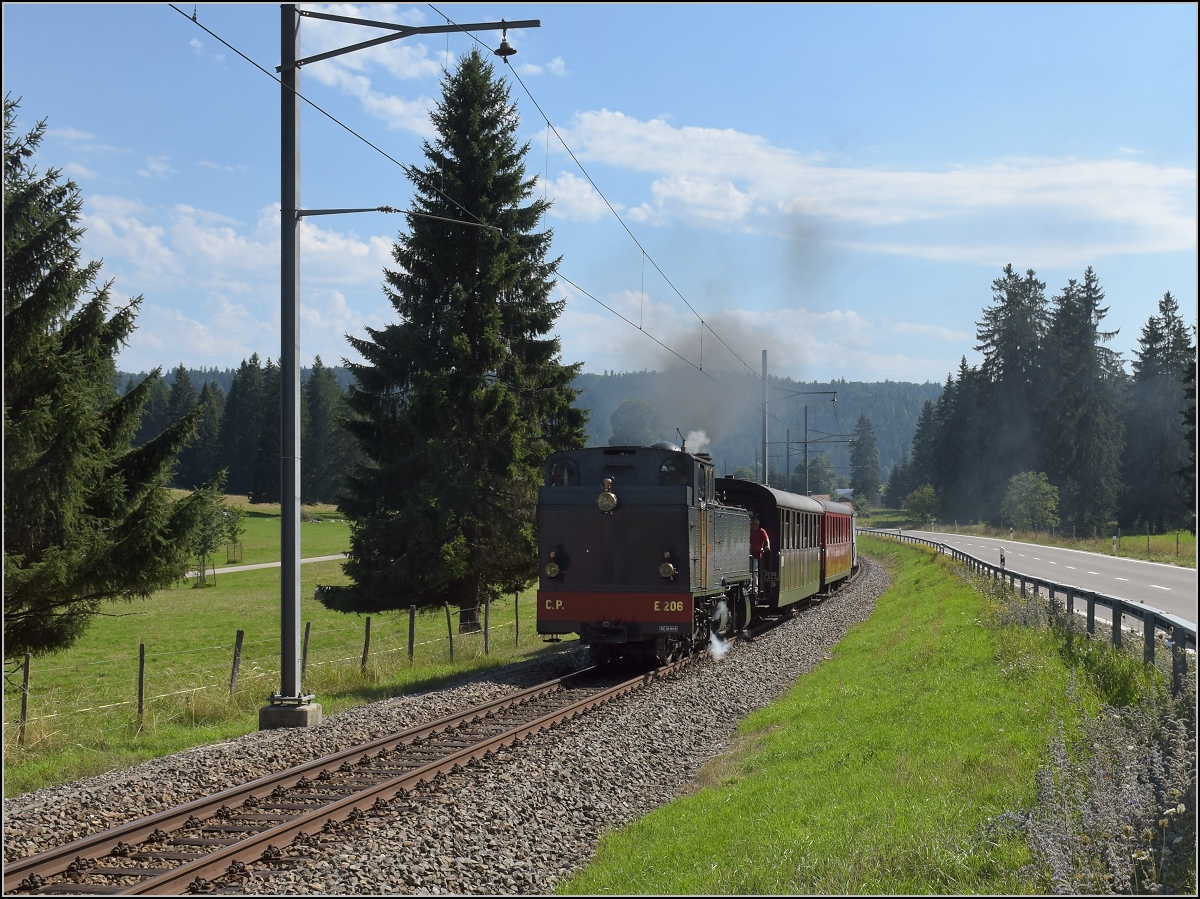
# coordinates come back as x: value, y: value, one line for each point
x: 1174, y: 548
x: 83, y: 700
x: 946, y: 747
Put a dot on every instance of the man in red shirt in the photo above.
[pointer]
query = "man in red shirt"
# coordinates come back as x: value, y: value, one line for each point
x: 759, y: 542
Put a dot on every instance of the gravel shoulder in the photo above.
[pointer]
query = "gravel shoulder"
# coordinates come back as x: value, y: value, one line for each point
x: 516, y: 822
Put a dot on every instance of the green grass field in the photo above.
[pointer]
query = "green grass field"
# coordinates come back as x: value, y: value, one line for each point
x: 82, y: 712
x: 1173, y: 548
x: 879, y: 771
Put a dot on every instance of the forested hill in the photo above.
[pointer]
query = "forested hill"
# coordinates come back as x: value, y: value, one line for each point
x: 691, y: 401
x: 223, y: 377
x: 729, y: 413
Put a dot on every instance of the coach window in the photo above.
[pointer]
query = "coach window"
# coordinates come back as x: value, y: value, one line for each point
x: 563, y: 473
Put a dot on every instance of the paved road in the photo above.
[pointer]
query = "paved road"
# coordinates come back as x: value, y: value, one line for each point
x: 230, y: 568
x: 1168, y: 588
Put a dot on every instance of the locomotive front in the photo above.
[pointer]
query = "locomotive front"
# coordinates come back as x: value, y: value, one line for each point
x: 634, y: 554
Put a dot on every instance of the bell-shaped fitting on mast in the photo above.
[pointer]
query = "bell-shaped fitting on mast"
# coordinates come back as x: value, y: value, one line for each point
x: 505, y: 49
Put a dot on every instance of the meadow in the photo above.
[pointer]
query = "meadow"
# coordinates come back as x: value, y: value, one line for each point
x: 82, y: 704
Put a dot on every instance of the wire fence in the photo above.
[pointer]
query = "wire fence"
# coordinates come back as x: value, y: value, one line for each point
x: 51, y: 703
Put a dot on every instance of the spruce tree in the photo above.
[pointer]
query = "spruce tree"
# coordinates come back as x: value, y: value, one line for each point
x: 1010, y: 337
x: 86, y: 518
x: 864, y: 460
x: 1157, y: 443
x: 266, y: 481
x: 181, y: 400
x: 155, y: 411
x: 327, y: 448
x: 1081, y: 415
x: 241, y: 423
x: 458, y: 403
x: 201, y: 462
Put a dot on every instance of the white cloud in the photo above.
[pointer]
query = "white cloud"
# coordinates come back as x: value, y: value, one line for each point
x: 401, y: 59
x: 211, y: 282
x: 157, y: 167
x: 70, y: 135
x: 75, y: 170
x: 557, y: 66
x: 575, y: 199
x: 727, y: 178
x: 935, y: 332
x: 218, y: 167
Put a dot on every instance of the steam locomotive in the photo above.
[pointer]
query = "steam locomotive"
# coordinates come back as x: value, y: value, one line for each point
x: 644, y: 552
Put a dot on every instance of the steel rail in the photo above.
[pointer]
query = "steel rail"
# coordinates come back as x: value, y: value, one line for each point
x: 30, y: 875
x: 53, y: 862
x: 220, y: 863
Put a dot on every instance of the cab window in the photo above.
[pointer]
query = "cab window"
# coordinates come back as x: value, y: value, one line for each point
x: 563, y: 473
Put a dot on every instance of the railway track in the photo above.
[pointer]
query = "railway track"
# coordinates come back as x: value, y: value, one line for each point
x: 205, y: 845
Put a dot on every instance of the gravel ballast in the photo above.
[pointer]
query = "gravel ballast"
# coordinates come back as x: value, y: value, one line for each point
x: 516, y: 822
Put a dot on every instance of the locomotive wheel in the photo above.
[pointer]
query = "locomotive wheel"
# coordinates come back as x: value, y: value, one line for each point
x: 668, y: 650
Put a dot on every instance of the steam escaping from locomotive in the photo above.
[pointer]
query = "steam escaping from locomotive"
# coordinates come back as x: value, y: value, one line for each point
x: 717, y: 648
x: 697, y: 441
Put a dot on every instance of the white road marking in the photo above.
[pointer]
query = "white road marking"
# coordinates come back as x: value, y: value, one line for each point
x: 1071, y: 567
x: 1156, y: 587
x: 1122, y: 579
x: 1093, y: 572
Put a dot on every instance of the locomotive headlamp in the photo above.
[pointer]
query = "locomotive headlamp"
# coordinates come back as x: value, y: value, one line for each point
x: 607, y: 501
x: 552, y: 569
x: 666, y: 570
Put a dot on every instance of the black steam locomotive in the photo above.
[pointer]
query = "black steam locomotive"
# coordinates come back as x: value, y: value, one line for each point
x: 643, y: 551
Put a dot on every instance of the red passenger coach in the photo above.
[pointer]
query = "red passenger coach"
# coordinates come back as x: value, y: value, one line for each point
x: 839, y: 551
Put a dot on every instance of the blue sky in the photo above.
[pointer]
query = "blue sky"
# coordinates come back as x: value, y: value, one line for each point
x: 837, y: 184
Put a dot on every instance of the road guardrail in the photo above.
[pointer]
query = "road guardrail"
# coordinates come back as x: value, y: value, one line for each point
x: 1180, y: 635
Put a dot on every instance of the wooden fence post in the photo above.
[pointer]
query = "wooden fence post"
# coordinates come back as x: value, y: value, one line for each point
x: 237, y: 661
x: 24, y: 701
x: 517, y: 619
x: 304, y: 651
x: 412, y: 630
x: 487, y: 611
x: 366, y: 645
x: 449, y: 630
x: 141, y: 680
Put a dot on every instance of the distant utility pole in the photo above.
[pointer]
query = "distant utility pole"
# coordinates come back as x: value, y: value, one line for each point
x: 765, y: 478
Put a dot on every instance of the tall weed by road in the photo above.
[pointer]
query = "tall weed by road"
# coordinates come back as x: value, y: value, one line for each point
x: 1116, y: 796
